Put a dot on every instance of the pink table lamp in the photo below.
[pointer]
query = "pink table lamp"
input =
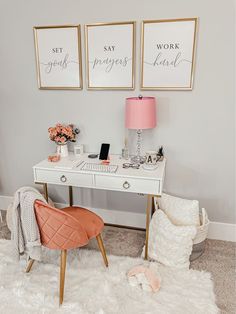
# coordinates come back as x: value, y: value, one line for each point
x: 140, y: 114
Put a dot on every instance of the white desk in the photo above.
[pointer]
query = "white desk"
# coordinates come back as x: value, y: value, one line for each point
x: 128, y: 180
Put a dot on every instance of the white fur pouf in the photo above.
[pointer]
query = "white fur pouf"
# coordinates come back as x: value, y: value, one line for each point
x: 90, y: 288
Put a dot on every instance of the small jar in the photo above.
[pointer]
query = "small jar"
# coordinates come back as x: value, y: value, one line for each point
x: 125, y: 153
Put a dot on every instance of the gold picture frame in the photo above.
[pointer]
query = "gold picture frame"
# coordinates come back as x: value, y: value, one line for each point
x: 58, y: 57
x: 168, y: 49
x: 110, y: 55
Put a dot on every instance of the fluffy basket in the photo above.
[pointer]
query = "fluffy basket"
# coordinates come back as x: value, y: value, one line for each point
x: 202, y: 230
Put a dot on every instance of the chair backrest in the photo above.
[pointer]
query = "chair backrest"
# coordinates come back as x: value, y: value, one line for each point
x: 58, y: 230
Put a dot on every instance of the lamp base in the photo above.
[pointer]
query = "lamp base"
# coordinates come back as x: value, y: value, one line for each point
x: 138, y: 159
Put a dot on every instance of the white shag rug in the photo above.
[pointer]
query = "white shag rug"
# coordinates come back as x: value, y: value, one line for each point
x: 90, y: 288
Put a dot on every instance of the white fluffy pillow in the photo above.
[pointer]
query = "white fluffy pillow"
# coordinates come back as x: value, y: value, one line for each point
x: 169, y: 244
x: 180, y: 211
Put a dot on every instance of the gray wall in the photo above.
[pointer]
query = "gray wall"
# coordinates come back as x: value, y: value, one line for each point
x: 196, y: 127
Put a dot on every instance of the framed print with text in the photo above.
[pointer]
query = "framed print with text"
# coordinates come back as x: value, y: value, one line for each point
x: 58, y: 57
x: 168, y: 52
x: 110, y: 55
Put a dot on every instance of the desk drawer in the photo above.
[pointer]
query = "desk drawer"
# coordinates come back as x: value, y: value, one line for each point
x: 128, y: 184
x: 63, y: 177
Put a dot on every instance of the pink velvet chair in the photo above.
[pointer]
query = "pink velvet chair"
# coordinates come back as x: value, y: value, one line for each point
x: 67, y: 228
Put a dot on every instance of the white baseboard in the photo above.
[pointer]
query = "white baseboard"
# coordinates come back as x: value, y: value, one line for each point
x: 222, y: 231
x: 217, y: 230
x: 5, y: 201
x: 117, y: 217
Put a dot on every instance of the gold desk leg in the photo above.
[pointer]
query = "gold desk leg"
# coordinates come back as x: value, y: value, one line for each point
x: 153, y: 206
x: 45, y: 191
x: 149, y: 205
x: 70, y: 196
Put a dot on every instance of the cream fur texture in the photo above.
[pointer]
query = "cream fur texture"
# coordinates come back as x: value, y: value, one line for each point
x: 90, y: 288
x: 169, y: 244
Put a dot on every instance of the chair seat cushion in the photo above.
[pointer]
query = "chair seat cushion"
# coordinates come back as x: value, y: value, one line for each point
x: 91, y: 222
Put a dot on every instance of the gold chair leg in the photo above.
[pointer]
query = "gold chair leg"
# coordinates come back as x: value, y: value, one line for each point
x: 29, y: 266
x: 62, y: 275
x: 102, y: 249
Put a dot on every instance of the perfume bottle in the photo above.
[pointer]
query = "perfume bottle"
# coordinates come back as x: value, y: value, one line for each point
x: 125, y: 150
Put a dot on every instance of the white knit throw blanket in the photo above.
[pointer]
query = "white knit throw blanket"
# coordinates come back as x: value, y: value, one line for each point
x: 25, y: 233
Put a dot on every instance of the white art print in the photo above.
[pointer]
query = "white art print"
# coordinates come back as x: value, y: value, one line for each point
x: 110, y: 52
x: 168, y: 49
x: 58, y: 53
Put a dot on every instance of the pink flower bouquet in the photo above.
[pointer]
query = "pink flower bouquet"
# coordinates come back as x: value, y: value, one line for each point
x: 62, y: 133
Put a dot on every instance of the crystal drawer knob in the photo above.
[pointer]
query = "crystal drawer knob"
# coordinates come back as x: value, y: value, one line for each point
x: 126, y: 185
x: 63, y: 178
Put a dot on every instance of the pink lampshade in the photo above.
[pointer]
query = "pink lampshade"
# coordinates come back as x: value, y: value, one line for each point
x: 140, y: 113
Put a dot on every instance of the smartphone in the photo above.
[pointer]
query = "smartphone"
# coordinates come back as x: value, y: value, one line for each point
x: 104, y: 151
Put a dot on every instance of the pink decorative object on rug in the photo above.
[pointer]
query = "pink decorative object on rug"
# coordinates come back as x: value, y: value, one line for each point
x: 145, y: 277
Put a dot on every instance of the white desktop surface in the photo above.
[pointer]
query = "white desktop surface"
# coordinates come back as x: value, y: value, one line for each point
x: 140, y: 180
